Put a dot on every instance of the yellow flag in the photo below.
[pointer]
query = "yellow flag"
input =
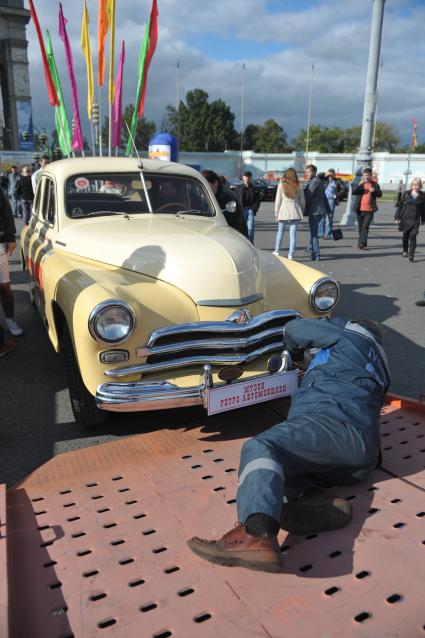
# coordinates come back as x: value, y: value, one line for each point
x: 85, y: 45
x: 110, y: 10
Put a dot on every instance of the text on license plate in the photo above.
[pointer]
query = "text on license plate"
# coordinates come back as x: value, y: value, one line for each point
x: 239, y: 395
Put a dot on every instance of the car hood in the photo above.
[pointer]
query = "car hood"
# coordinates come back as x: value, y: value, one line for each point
x: 208, y: 260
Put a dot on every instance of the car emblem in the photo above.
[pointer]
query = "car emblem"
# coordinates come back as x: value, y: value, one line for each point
x: 242, y: 316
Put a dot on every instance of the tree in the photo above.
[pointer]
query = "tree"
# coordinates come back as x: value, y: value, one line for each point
x: 144, y: 132
x: 270, y: 138
x: 337, y: 140
x: 249, y: 136
x: 200, y: 125
x: 321, y: 139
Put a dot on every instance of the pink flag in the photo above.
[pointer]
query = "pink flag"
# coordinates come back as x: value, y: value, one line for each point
x: 77, y: 136
x: 117, y: 105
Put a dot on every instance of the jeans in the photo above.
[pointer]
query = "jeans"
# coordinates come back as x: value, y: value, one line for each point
x: 26, y: 210
x: 364, y: 220
x: 14, y: 204
x: 313, y: 246
x: 293, y: 224
x: 325, y: 225
x: 250, y: 222
x: 279, y: 464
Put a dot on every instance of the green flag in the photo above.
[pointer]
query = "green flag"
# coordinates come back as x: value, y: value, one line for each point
x: 146, y: 52
x: 61, y: 118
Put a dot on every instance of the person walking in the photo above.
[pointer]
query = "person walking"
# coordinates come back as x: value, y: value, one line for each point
x: 289, y: 208
x: 409, y: 214
x: 316, y: 207
x: 334, y: 191
x: 7, y: 246
x: 13, y: 178
x: 224, y: 195
x: 367, y: 190
x: 330, y: 438
x: 44, y: 160
x: 251, y: 200
x: 25, y: 193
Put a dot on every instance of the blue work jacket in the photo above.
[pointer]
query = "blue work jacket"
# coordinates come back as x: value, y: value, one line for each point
x: 348, y: 377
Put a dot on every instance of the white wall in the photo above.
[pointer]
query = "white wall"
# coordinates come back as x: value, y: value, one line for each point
x: 390, y: 167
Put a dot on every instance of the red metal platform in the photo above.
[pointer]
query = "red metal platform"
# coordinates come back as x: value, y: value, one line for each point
x: 96, y: 543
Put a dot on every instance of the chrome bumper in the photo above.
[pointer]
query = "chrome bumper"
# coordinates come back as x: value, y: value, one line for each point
x: 140, y: 396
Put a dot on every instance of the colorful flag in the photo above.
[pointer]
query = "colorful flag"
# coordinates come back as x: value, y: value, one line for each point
x: 153, y: 39
x: 111, y: 18
x: 53, y: 96
x: 102, y: 32
x: 414, y: 136
x: 77, y: 136
x: 61, y: 116
x: 116, y: 120
x: 85, y: 45
x: 145, y: 55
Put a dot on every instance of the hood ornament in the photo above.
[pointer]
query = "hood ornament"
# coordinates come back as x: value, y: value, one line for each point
x: 241, y: 316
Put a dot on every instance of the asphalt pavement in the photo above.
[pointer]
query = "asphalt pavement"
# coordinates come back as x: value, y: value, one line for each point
x: 35, y: 413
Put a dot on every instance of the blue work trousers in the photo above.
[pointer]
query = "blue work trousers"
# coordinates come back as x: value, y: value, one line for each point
x: 279, y: 464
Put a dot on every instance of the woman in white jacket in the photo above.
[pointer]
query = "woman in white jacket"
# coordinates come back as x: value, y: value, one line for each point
x: 289, y: 208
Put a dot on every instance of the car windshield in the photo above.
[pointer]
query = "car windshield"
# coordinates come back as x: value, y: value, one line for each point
x: 104, y: 194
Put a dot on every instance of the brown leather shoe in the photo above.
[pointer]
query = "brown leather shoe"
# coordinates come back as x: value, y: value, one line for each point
x: 237, y: 548
x: 315, y: 512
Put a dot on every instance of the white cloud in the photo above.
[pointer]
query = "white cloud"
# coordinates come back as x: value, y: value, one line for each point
x: 332, y: 34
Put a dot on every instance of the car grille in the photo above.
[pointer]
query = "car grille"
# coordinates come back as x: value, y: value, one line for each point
x: 216, y: 343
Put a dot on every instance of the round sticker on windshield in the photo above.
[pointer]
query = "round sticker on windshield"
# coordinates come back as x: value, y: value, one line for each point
x: 82, y: 182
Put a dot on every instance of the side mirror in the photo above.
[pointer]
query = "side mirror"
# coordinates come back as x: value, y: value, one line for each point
x: 231, y: 207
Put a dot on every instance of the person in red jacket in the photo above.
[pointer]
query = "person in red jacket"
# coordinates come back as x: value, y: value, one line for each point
x: 367, y: 190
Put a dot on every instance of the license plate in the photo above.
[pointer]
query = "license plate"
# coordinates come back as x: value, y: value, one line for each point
x: 239, y: 395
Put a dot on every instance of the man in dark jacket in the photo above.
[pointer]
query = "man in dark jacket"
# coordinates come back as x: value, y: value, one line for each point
x: 25, y: 193
x: 7, y: 246
x: 366, y: 190
x: 335, y: 192
x: 224, y: 196
x: 316, y: 207
x: 331, y: 437
x: 251, y: 199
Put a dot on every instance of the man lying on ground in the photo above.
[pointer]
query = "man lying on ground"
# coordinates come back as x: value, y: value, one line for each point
x: 330, y: 438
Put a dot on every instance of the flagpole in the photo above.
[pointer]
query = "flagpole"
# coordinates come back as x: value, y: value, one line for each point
x: 309, y: 115
x: 110, y: 129
x: 100, y: 122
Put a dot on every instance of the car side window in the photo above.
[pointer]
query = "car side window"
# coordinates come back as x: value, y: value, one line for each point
x: 49, y: 205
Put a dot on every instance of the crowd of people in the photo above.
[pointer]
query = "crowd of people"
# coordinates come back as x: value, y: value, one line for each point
x: 16, y: 198
x: 315, y: 199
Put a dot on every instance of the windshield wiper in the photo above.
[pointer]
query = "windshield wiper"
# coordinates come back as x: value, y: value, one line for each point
x: 190, y: 211
x: 99, y: 213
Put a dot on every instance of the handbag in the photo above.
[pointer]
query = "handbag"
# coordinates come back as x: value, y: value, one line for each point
x: 336, y: 232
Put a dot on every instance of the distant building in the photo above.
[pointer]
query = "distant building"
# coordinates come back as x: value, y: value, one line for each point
x: 15, y: 93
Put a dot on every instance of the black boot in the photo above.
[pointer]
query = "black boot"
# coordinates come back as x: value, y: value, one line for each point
x: 315, y: 512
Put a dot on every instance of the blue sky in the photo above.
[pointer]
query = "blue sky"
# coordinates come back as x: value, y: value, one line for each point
x: 278, y: 40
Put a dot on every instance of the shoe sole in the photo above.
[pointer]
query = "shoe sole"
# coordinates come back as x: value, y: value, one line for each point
x: 234, y: 561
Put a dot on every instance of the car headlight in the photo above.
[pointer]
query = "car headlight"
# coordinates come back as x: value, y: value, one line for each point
x: 112, y: 321
x: 324, y: 295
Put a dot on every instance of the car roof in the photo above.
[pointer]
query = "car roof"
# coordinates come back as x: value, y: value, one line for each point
x: 62, y: 169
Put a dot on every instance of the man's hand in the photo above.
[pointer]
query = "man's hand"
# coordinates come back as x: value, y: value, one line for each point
x: 10, y: 247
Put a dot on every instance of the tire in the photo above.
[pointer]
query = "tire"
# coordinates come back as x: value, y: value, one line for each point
x: 84, y: 408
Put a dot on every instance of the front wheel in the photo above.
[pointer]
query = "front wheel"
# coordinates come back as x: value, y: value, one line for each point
x: 84, y: 408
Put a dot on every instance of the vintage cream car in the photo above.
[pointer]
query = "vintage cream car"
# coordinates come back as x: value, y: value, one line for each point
x: 153, y: 299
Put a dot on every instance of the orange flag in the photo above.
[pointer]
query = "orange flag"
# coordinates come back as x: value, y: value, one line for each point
x: 102, y: 32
